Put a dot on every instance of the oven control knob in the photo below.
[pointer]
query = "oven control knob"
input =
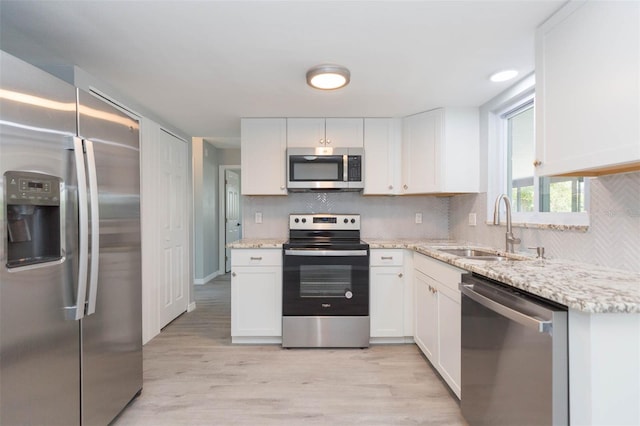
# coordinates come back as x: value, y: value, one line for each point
x: 296, y: 220
x: 353, y: 221
x: 304, y: 220
x: 346, y: 221
x: 348, y: 294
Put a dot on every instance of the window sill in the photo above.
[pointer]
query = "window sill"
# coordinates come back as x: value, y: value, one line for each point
x: 577, y: 222
x: 546, y: 226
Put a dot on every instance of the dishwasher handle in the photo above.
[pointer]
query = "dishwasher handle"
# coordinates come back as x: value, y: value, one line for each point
x: 545, y: 327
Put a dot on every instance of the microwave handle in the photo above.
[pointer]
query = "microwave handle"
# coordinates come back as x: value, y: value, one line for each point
x: 345, y: 168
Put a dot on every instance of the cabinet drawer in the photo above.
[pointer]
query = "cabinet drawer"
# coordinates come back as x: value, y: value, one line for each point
x: 386, y: 257
x: 256, y: 257
x: 439, y: 271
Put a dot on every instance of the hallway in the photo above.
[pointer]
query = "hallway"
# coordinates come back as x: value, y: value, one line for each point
x: 194, y: 376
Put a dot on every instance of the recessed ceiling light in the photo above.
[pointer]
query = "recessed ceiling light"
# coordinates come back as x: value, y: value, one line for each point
x: 503, y: 75
x: 328, y: 77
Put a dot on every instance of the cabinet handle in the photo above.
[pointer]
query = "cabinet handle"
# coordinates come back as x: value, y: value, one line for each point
x: 233, y: 274
x: 537, y: 163
x: 386, y: 257
x: 256, y: 258
x: 400, y: 275
x: 405, y: 187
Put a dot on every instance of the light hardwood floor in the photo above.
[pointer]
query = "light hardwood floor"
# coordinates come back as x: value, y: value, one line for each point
x: 193, y: 375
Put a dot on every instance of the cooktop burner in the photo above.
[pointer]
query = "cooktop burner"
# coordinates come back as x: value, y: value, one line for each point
x: 325, y: 231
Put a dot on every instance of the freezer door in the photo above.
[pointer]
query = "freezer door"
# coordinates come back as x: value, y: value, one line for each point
x: 112, y: 329
x: 39, y: 339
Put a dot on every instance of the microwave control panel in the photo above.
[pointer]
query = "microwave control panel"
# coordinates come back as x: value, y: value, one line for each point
x: 355, y: 168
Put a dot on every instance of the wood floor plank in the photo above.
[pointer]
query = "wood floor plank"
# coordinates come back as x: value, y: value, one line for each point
x: 193, y: 375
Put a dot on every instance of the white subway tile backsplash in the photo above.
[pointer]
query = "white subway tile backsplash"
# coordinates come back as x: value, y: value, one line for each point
x: 612, y: 240
x: 386, y: 217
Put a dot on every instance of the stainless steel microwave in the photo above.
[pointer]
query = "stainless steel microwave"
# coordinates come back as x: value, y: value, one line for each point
x: 331, y: 169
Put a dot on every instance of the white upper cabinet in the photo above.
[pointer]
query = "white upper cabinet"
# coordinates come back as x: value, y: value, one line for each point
x: 382, y: 156
x: 321, y: 132
x: 440, y: 151
x: 588, y: 89
x: 263, y: 144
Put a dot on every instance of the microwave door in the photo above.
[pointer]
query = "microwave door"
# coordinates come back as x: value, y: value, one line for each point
x: 317, y: 172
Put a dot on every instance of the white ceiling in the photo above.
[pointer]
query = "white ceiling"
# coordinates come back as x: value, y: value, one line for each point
x: 201, y: 65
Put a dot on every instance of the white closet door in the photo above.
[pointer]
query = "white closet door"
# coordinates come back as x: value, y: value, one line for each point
x: 173, y: 268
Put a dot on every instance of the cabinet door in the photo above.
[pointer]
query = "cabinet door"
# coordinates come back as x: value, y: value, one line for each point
x: 387, y: 301
x: 256, y: 301
x: 344, y: 132
x: 426, y: 310
x: 449, y: 344
x: 382, y: 156
x: 263, y: 156
x: 420, y: 152
x: 588, y: 90
x: 305, y: 132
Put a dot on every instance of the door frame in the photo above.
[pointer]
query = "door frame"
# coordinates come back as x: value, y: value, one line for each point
x: 222, y: 213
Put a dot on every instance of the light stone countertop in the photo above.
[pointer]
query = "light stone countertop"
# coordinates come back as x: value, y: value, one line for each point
x: 256, y: 243
x: 580, y: 286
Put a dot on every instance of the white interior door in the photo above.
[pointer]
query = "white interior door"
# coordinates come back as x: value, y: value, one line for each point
x: 233, y: 221
x: 172, y: 209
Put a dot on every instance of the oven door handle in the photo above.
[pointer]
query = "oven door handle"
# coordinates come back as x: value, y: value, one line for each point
x: 307, y: 252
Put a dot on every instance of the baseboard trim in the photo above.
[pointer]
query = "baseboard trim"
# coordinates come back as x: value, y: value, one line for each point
x: 200, y: 281
x: 257, y: 340
x: 191, y: 307
x: 391, y: 340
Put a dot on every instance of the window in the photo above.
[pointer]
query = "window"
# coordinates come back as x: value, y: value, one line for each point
x: 534, y: 199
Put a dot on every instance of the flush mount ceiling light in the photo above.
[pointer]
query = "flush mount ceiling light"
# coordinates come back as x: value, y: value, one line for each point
x: 328, y: 77
x: 503, y: 75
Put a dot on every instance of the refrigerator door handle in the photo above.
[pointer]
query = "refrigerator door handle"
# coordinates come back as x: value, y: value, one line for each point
x: 83, y: 234
x: 95, y: 226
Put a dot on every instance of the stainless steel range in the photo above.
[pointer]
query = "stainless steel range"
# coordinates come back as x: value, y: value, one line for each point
x: 325, y: 300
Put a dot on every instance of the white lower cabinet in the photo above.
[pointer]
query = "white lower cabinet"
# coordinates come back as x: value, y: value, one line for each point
x: 388, y: 298
x: 438, y: 315
x: 256, y: 296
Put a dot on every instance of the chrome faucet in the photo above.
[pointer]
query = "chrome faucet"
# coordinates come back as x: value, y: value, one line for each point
x: 510, y: 239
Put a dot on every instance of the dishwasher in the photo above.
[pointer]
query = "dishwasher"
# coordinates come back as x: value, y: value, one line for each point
x: 514, y: 356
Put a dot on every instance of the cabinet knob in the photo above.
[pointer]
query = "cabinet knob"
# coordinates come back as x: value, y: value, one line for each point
x: 537, y: 163
x: 390, y: 186
x: 282, y: 187
x: 405, y: 187
x: 327, y: 142
x: 233, y: 274
x: 400, y: 275
x: 321, y: 141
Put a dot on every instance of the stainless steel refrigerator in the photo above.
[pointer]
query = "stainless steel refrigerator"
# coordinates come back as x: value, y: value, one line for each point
x: 70, y: 261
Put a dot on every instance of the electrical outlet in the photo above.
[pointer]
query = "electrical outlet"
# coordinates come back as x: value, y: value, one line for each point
x: 472, y: 219
x: 258, y: 217
x: 418, y: 217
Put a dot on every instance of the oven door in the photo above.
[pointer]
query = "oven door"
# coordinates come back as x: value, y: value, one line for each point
x: 325, y: 282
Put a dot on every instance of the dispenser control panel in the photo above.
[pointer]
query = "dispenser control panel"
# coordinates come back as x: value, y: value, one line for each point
x: 32, y: 188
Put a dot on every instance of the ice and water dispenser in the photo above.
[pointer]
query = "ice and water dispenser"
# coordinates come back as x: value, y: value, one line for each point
x: 33, y: 218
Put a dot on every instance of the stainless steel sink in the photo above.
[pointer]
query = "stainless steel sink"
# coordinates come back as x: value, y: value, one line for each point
x: 477, y: 254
